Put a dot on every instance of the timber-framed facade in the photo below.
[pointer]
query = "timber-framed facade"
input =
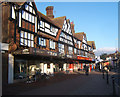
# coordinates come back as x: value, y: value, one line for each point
x: 41, y: 43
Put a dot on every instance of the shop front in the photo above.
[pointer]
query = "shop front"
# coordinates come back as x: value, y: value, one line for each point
x: 31, y: 62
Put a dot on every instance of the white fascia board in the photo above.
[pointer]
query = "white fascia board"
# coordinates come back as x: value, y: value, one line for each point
x: 4, y: 46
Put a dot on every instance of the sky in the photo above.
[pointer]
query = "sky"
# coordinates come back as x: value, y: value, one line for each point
x: 99, y: 20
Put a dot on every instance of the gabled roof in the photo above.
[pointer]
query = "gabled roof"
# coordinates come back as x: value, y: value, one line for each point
x: 48, y: 19
x: 79, y: 35
x: 92, y: 44
x: 72, y: 29
x: 59, y: 20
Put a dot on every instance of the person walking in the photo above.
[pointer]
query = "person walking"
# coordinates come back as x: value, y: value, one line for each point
x: 87, y: 70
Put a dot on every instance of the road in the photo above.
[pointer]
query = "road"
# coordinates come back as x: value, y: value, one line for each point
x: 93, y: 84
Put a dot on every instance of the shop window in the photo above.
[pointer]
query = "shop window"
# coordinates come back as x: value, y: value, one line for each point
x: 20, y: 70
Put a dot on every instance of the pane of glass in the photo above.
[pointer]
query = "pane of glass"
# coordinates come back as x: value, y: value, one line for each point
x: 50, y: 44
x: 13, y: 12
x: 33, y: 11
x: 26, y: 7
x: 25, y: 42
x: 25, y: 33
x: 54, y: 45
x: 44, y: 42
x: 30, y: 17
x: 19, y: 19
x: 23, y: 14
x: 39, y: 41
x: 32, y: 43
x: 29, y: 43
x: 30, y: 9
x: 30, y: 3
x: 21, y: 41
x: 21, y: 34
x: 28, y: 35
x: 35, y: 24
x: 33, y: 19
x: 26, y: 16
x: 32, y: 37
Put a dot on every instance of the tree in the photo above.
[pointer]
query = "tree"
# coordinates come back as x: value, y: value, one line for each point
x: 103, y: 56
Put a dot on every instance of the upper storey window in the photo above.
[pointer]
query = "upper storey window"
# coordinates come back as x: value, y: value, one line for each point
x: 28, y: 17
x: 26, y: 39
x: 52, y: 44
x: 65, y: 35
x: 47, y: 27
x: 28, y: 13
x: 13, y: 13
x: 42, y: 41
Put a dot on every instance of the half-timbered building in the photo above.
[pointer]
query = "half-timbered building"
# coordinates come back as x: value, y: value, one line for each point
x: 40, y: 43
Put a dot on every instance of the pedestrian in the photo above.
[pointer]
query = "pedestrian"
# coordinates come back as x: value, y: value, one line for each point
x: 86, y: 70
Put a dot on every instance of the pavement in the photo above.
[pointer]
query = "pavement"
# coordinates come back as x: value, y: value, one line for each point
x: 93, y: 84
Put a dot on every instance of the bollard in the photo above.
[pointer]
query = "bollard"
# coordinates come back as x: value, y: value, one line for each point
x: 107, y: 77
x: 113, y: 82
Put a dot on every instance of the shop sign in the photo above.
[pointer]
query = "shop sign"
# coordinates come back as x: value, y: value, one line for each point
x: 42, y: 52
x: 81, y: 58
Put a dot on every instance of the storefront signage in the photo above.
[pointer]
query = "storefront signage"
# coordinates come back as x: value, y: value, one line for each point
x: 80, y: 58
x: 84, y: 58
x: 42, y: 52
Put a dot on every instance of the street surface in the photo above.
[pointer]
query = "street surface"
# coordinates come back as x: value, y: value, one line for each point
x: 93, y: 84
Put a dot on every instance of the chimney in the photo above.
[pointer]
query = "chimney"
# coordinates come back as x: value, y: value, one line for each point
x: 72, y: 27
x: 49, y: 12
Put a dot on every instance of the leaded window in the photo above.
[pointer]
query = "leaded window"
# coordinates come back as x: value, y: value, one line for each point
x: 42, y: 41
x: 26, y: 39
x: 52, y: 44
